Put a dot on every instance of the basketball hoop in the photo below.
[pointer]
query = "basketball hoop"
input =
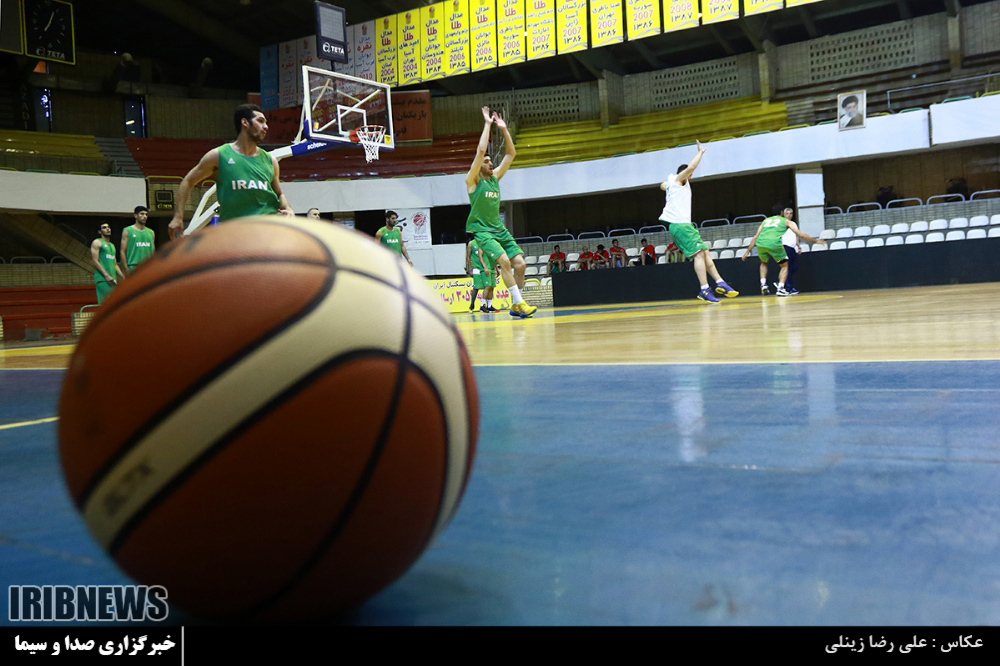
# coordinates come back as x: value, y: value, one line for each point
x: 370, y: 136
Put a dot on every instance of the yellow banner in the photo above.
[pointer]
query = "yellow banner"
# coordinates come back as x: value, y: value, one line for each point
x: 751, y: 7
x: 510, y: 31
x: 456, y: 38
x: 541, y: 29
x: 484, y: 34
x: 408, y: 47
x: 456, y: 293
x: 679, y: 15
x: 714, y: 11
x: 432, y: 42
x: 385, y: 50
x: 571, y: 25
x: 642, y: 17
x: 796, y: 3
x: 607, y: 24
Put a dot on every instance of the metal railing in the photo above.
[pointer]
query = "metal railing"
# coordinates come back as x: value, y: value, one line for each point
x: 888, y: 93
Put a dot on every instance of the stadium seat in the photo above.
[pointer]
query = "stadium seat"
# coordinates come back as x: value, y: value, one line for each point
x: 862, y: 231
x: 631, y: 252
x: 938, y: 225
x: 934, y: 237
x: 715, y: 255
x: 979, y: 221
x: 875, y: 242
x: 661, y: 259
x: 530, y: 260
x: 845, y: 232
x: 881, y: 230
x: 727, y: 254
x: 531, y: 270
x: 828, y: 234
x: 894, y: 240
x: 838, y: 245
x: 975, y: 234
x: 660, y: 249
x: 805, y: 248
x: 735, y: 242
x: 720, y: 244
x: 919, y: 227
x: 995, y: 220
x: 746, y: 241
x: 914, y: 239
x: 818, y: 248
x: 958, y: 223
x: 994, y: 232
x: 572, y: 256
x: 954, y: 235
x: 900, y: 228
x: 856, y: 243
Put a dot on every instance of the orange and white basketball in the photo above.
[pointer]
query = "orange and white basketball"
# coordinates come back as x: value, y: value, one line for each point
x: 271, y: 418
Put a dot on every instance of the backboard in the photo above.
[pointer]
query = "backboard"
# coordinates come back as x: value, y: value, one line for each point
x: 335, y: 104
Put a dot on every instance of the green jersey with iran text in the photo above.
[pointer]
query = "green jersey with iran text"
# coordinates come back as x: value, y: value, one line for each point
x: 243, y: 184
x: 485, y: 213
x: 139, y: 246
x: 774, y: 228
x: 392, y: 239
x: 106, y: 259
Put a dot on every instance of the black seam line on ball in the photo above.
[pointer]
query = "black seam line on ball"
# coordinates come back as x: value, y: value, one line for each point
x: 184, y: 395
x: 107, y: 314
x: 426, y: 306
x: 366, y: 475
x: 234, y: 433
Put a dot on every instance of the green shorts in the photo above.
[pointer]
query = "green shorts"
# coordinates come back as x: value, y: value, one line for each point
x: 687, y: 238
x: 481, y: 279
x: 776, y: 253
x: 103, y: 289
x: 496, y: 244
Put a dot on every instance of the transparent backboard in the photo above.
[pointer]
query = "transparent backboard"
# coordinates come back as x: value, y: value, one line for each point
x: 335, y: 104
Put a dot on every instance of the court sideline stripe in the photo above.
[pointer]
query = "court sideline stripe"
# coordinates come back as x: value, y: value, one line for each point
x: 21, y: 424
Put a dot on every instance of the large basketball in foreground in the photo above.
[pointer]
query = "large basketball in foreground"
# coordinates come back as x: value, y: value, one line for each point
x: 271, y: 418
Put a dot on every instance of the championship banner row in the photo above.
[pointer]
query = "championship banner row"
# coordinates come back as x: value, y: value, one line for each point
x: 462, y: 36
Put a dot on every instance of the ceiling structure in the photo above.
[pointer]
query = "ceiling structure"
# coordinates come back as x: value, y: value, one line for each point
x: 179, y: 34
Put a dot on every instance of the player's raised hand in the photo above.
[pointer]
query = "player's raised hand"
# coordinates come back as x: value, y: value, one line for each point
x: 701, y: 148
x: 486, y: 115
x: 498, y: 120
x: 176, y: 227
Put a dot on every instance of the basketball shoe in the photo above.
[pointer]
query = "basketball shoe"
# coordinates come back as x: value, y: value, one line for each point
x: 522, y: 310
x: 707, y: 295
x: 781, y: 291
x: 723, y: 289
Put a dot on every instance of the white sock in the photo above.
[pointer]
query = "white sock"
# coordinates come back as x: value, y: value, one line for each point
x: 515, y: 294
x: 489, y: 303
x: 781, y: 285
x: 763, y: 282
x: 704, y: 286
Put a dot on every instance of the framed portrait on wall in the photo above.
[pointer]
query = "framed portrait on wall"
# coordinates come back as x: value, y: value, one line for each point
x: 852, y: 107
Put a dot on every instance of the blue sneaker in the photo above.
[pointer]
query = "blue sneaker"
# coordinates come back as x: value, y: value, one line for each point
x: 707, y: 295
x: 723, y: 289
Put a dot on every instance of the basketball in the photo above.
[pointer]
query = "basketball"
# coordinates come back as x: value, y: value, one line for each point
x: 303, y: 424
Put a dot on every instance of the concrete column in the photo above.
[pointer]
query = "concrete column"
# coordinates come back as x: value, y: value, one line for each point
x: 810, y: 198
x: 611, y: 90
x: 767, y: 71
x: 955, y: 42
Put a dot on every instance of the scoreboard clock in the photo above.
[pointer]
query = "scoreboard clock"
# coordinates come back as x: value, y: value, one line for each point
x: 48, y: 30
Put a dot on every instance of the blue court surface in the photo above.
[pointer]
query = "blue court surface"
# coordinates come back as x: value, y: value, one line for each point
x: 774, y: 494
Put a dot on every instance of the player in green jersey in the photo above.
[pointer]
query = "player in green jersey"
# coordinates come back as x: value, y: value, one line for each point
x: 391, y: 237
x: 103, y: 256
x: 138, y: 241
x: 767, y: 240
x: 246, y: 176
x: 479, y: 267
x: 484, y: 223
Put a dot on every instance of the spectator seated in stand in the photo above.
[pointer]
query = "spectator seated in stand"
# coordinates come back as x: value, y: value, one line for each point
x: 557, y: 262
x: 586, y: 261
x: 674, y: 254
x: 602, y: 258
x: 618, y: 256
x: 647, y: 254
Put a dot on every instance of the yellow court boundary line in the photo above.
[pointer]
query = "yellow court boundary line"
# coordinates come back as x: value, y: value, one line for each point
x: 54, y: 350
x: 21, y: 424
x: 795, y: 362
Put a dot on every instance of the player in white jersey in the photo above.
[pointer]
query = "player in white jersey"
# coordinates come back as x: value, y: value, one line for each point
x: 677, y: 214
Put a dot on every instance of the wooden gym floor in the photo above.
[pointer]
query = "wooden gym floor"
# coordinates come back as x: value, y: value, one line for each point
x: 824, y: 459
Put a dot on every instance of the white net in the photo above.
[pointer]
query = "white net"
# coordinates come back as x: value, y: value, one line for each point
x: 370, y: 137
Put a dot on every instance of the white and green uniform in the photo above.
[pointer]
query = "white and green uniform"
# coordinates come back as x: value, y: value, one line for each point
x: 484, y: 221
x: 392, y: 239
x: 140, y: 246
x: 677, y: 214
x: 107, y: 260
x: 244, y: 184
x: 769, y: 240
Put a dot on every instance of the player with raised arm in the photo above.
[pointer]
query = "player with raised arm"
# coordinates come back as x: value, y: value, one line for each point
x: 484, y: 223
x: 246, y: 176
x: 677, y: 214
